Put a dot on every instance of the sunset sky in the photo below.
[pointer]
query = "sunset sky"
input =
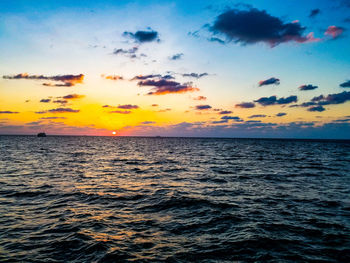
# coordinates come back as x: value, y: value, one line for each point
x: 263, y: 68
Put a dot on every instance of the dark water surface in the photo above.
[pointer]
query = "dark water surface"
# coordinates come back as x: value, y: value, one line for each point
x: 105, y: 199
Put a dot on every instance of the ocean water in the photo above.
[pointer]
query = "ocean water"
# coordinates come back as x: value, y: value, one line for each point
x: 112, y: 199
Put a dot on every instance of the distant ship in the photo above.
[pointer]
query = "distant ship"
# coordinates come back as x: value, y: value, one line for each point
x: 41, y: 134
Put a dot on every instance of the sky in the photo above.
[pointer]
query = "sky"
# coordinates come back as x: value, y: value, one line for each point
x: 261, y: 69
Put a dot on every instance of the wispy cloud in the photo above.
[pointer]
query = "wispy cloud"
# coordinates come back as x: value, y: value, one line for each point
x: 64, y: 80
x: 8, y: 112
x: 245, y: 105
x: 334, y: 31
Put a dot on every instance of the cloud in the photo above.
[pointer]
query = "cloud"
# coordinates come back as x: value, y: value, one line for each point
x: 316, y: 108
x: 121, y: 112
x: 245, y: 105
x: 128, y: 107
x: 73, y: 96
x: 148, y: 122
x: 225, y: 112
x: 281, y: 114
x: 176, y: 56
x: 45, y: 100
x: 314, y: 12
x: 164, y: 86
x: 269, y: 81
x: 65, y: 80
x: 346, y: 84
x: 154, y: 105
x: 152, y: 76
x: 164, y: 110
x: 336, y: 98
x: 334, y: 31
x: 216, y: 39
x: 195, y: 75
x: 233, y: 118
x: 8, y: 112
x: 52, y: 118
x: 307, y: 87
x: 203, y: 107
x: 131, y: 53
x: 267, y: 101
x: 63, y: 110
x: 257, y: 116
x: 60, y: 101
x: 200, y: 98
x: 253, y: 26
x: 143, y: 36
x: 112, y: 77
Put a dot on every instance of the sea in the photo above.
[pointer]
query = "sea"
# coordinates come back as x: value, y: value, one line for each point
x: 144, y: 199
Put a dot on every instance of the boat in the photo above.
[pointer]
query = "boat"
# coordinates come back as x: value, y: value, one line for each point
x: 41, y: 134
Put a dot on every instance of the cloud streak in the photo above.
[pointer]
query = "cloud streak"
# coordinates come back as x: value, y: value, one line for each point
x: 64, y: 80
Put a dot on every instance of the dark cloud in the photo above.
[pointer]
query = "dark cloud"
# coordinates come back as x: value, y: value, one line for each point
x: 143, y: 36
x: 253, y: 121
x: 316, y: 108
x: 153, y: 76
x: 253, y: 26
x: 60, y: 101
x: 307, y: 87
x: 281, y: 114
x: 195, y: 75
x: 336, y: 98
x: 41, y: 112
x: 66, y: 80
x: 45, y: 100
x: 245, y: 105
x: 343, y: 120
x: 233, y: 118
x: 225, y: 112
x: 267, y: 101
x: 164, y: 86
x: 73, y: 96
x: 128, y: 107
x: 203, y: 107
x: 200, y: 98
x: 176, y: 56
x: 269, y: 81
x: 257, y: 116
x: 218, y: 122
x: 121, y: 112
x: 314, y: 12
x: 63, y: 110
x: 346, y: 84
x: 8, y: 112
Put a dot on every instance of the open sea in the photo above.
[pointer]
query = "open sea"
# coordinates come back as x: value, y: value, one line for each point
x: 126, y: 199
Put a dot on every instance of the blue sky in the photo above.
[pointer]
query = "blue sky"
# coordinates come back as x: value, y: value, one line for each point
x: 59, y: 38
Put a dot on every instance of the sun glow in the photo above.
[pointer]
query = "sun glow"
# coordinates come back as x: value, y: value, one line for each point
x: 114, y: 133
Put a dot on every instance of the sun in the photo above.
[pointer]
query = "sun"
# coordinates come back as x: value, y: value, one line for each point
x: 114, y: 133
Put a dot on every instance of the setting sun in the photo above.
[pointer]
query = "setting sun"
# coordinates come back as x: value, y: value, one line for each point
x: 114, y: 133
